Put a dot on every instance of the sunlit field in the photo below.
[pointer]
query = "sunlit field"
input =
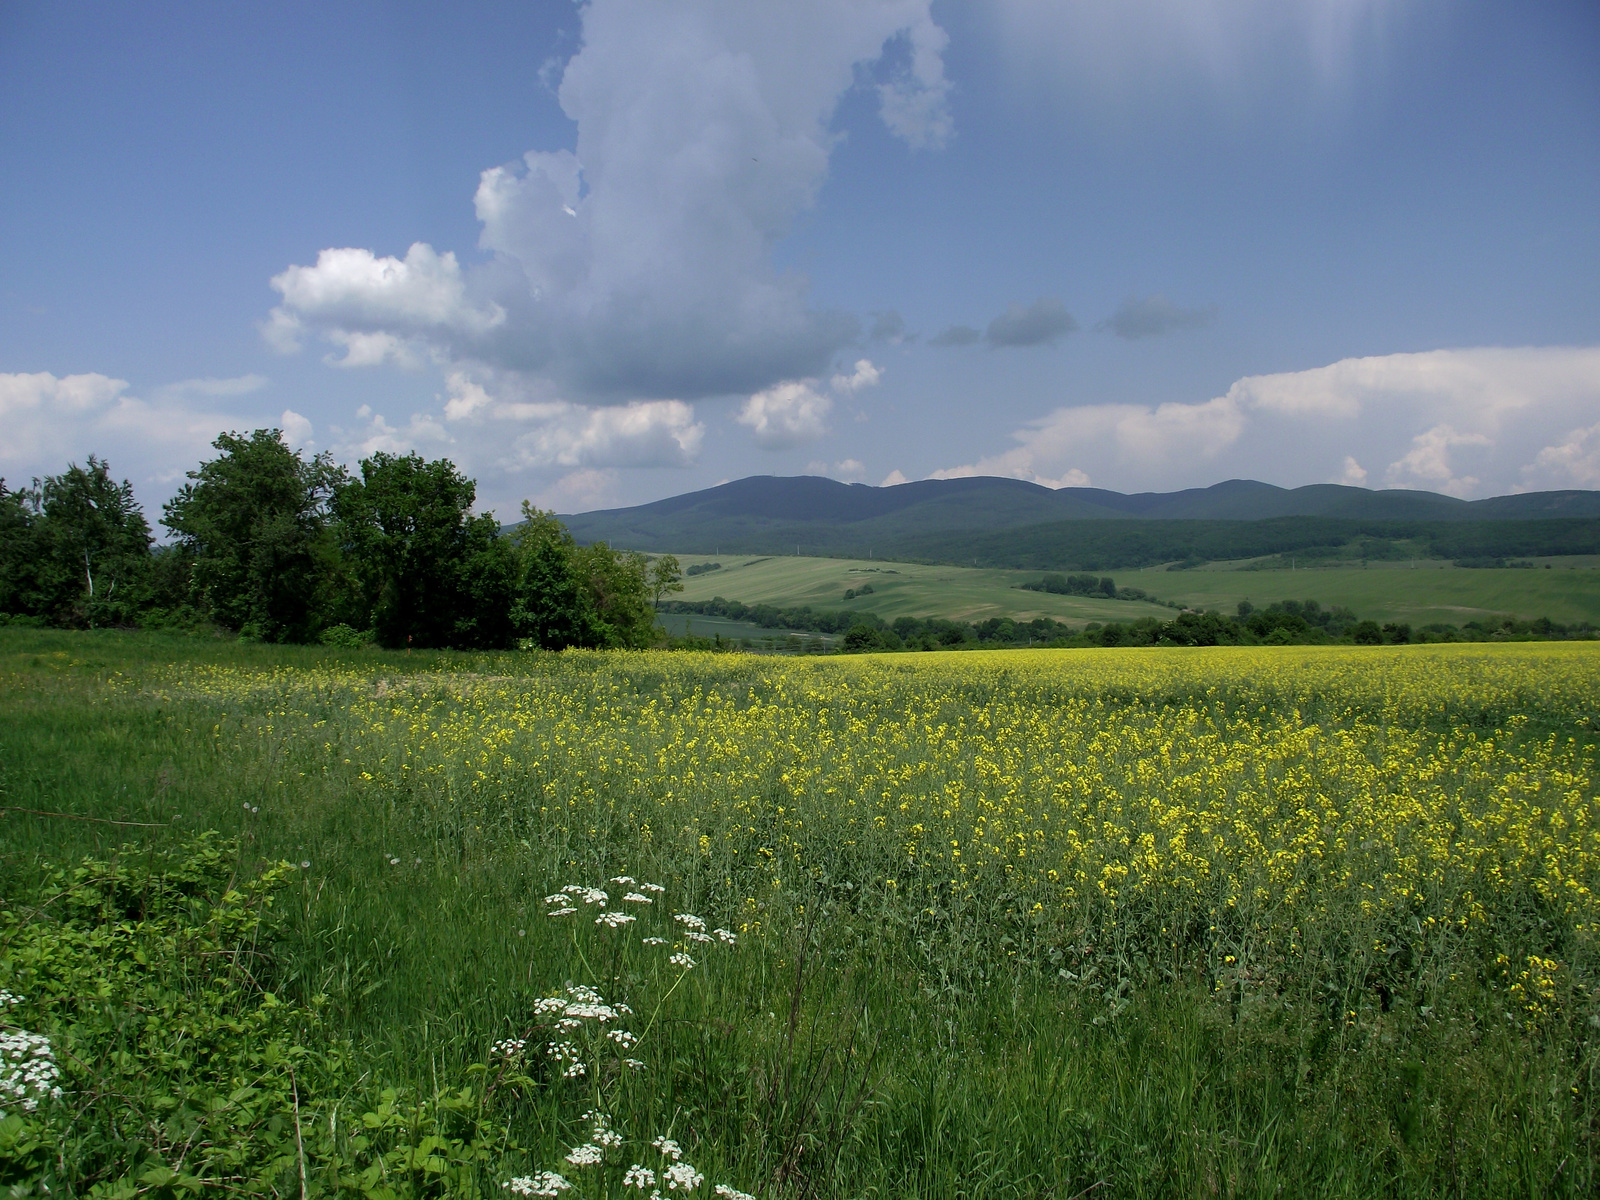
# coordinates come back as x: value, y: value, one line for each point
x: 1278, y: 921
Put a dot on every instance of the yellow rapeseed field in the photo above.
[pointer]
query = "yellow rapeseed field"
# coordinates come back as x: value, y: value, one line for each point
x: 1265, y: 804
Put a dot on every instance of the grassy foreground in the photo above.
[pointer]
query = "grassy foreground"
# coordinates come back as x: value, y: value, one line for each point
x: 1312, y: 922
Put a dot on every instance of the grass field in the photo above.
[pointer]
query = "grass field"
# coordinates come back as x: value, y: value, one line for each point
x: 1391, y: 592
x: 682, y: 624
x: 1278, y: 921
x: 899, y: 590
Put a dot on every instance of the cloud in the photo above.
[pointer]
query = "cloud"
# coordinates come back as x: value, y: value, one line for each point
x: 1428, y: 465
x: 889, y: 326
x: 787, y: 414
x: 638, y: 265
x: 1353, y: 473
x: 1574, y: 462
x: 296, y: 428
x: 915, y: 101
x: 956, y: 335
x: 1123, y: 51
x: 1465, y: 422
x: 509, y: 425
x: 241, y: 385
x: 894, y: 479
x: 1154, y: 316
x: 644, y: 433
x: 865, y: 375
x: 849, y: 470
x: 1043, y: 323
x: 50, y: 421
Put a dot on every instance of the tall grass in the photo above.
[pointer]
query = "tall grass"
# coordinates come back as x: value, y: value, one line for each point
x: 896, y: 1021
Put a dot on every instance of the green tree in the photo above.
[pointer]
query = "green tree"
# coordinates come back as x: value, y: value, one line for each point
x: 665, y: 577
x: 19, y: 557
x: 551, y: 606
x: 428, y: 573
x: 254, y: 524
x: 619, y: 593
x: 89, y: 545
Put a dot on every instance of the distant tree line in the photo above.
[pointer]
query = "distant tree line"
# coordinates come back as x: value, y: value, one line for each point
x: 1282, y: 623
x: 279, y: 547
x: 1100, y: 545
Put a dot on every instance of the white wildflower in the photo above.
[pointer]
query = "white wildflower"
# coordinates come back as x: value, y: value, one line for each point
x: 623, y: 1038
x: 585, y: 1155
x: 569, y: 1024
x: 655, y: 941
x: 549, y: 1004
x: 652, y: 887
x: 639, y: 1177
x: 636, y: 898
x: 510, y: 1049
x: 584, y: 994
x: 591, y: 1012
x: 545, y: 1183
x: 613, y: 919
x: 558, y: 898
x: 695, y: 935
x: 681, y: 960
x: 625, y: 880
x: 729, y: 938
x: 633, y: 1064
x: 610, y: 1139
x: 729, y: 1193
x: 689, y: 919
x: 668, y: 1147
x: 562, y: 912
x: 682, y: 1175
x: 28, y: 1070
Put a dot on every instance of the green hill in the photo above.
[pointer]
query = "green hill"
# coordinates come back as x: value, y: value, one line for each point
x: 1009, y: 523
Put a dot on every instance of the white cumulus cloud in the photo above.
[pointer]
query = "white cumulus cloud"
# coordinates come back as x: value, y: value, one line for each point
x: 1574, y: 462
x: 638, y: 264
x: 1466, y: 422
x: 787, y: 414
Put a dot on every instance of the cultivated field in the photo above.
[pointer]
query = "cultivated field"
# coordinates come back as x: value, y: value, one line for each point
x: 1300, y: 922
x: 898, y: 590
x: 1567, y: 593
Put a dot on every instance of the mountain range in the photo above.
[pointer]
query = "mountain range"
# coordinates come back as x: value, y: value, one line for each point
x: 1015, y: 523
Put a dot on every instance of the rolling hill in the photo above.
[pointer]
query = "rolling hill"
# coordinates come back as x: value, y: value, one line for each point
x: 1010, y: 523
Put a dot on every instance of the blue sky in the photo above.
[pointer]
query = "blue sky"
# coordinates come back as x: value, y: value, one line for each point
x: 604, y: 254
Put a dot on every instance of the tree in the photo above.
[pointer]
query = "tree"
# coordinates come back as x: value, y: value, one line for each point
x: 89, y: 542
x: 619, y: 593
x: 551, y: 606
x: 427, y: 572
x: 665, y: 577
x: 254, y: 524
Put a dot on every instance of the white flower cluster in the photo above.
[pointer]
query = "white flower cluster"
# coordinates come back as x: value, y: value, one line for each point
x: 510, y: 1049
x: 625, y: 880
x: 637, y: 898
x: 613, y: 919
x: 544, y: 1183
x: 639, y: 1177
x: 655, y: 941
x: 728, y: 936
x: 682, y: 1175
x: 585, y: 1155
x: 668, y: 1147
x: 622, y: 1038
x: 690, y: 920
x: 730, y: 1193
x: 567, y: 1055
x: 588, y: 895
x: 682, y: 960
x: 28, y: 1070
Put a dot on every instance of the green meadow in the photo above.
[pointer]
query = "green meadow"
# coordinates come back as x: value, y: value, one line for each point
x: 294, y: 920
x: 1568, y: 593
